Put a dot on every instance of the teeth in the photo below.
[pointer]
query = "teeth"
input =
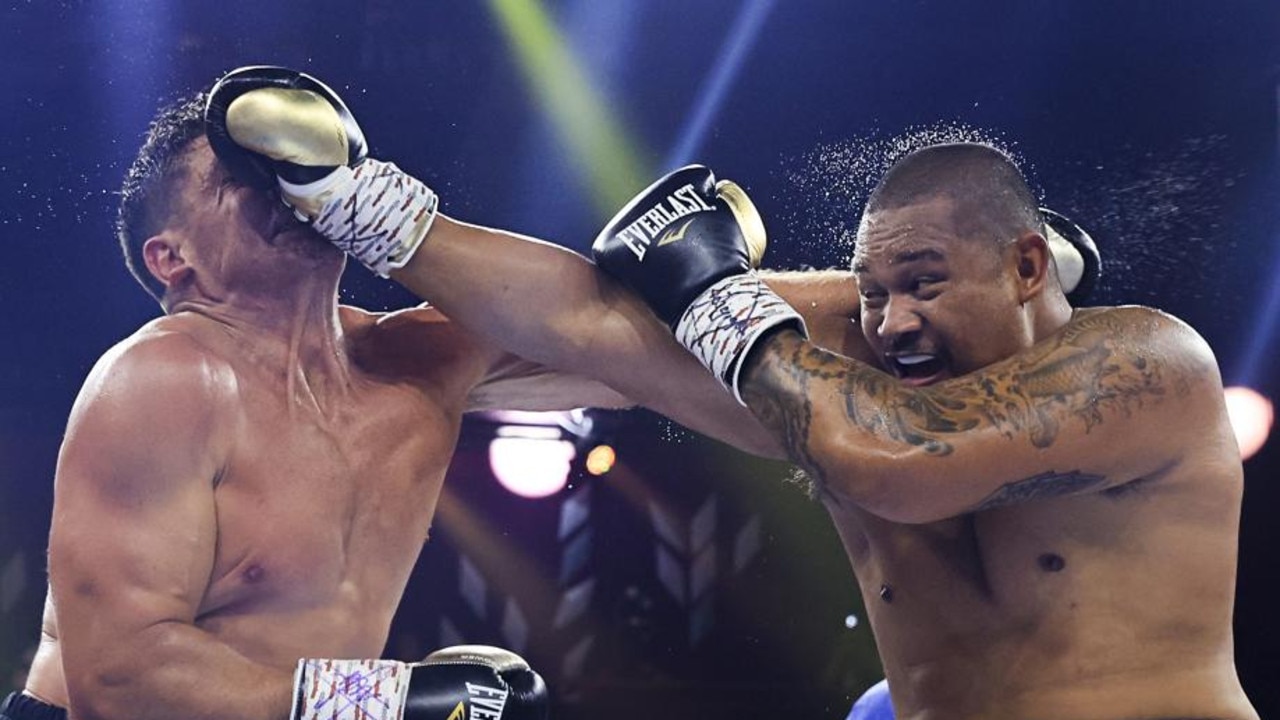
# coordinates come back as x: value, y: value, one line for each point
x: 913, y: 359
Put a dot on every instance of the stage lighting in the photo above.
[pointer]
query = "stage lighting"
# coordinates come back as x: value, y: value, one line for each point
x: 1251, y: 417
x: 531, y: 461
x: 593, y: 134
x: 733, y: 53
x: 601, y: 459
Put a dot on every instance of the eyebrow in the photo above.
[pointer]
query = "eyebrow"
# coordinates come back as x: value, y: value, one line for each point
x: 906, y: 256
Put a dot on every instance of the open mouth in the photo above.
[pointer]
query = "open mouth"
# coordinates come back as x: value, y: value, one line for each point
x: 918, y: 368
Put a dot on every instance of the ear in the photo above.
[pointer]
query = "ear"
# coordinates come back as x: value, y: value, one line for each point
x: 1032, y: 258
x: 165, y: 260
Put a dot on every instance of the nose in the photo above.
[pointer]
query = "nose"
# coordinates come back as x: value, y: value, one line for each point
x: 898, y: 317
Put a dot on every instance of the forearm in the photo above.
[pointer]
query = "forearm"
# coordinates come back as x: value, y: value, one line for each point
x: 175, y: 670
x: 1023, y: 428
x: 532, y: 298
x: 828, y: 302
x: 821, y: 293
x: 810, y: 399
x: 553, y: 306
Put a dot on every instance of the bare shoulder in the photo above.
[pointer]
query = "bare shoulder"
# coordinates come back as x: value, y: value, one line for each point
x: 424, y: 347
x: 164, y: 361
x: 418, y: 344
x: 1145, y: 338
x: 1126, y: 318
x: 417, y: 318
x: 160, y: 399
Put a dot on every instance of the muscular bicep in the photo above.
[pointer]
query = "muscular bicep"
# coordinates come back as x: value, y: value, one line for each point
x: 133, y: 532
x: 1097, y: 405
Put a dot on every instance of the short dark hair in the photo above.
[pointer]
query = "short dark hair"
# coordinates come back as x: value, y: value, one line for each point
x: 147, y: 195
x: 992, y: 195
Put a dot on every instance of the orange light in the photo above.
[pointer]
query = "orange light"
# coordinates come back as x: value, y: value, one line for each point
x: 601, y: 459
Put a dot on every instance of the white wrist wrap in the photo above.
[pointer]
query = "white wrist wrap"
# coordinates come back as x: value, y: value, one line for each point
x: 375, y: 212
x: 722, y: 324
x: 349, y: 690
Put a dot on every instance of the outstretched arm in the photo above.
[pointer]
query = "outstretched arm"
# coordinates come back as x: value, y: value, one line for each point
x: 551, y: 305
x: 538, y: 301
x: 1102, y: 402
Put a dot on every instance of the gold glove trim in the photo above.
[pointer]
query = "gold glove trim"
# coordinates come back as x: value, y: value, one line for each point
x: 297, y: 126
x: 744, y: 211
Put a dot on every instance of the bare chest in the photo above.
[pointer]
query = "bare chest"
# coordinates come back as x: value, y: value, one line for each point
x: 323, y: 510
x: 1087, y: 605
x: 983, y: 575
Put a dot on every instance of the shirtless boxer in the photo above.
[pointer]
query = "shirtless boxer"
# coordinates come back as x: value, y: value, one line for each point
x: 939, y: 559
x: 1041, y: 505
x: 246, y: 482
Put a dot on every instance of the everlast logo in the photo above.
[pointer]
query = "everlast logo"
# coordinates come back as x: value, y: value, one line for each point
x: 486, y: 702
x: 639, y: 235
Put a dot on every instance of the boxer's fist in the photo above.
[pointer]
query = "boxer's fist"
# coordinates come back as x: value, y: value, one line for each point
x: 680, y: 236
x: 271, y: 125
x: 687, y: 245
x: 489, y: 682
x: 265, y: 122
x: 1075, y: 254
x: 465, y: 681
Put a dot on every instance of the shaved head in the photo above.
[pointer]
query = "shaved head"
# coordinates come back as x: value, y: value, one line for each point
x: 991, y: 198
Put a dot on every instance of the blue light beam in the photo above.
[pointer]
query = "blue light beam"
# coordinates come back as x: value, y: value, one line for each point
x: 741, y: 37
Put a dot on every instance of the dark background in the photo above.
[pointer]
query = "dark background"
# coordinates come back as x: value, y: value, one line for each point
x: 1152, y: 123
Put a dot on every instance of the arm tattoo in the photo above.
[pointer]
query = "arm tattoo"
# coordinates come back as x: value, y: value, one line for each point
x: 789, y: 413
x: 1093, y: 369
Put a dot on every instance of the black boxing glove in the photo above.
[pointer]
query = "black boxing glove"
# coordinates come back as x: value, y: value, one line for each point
x: 687, y: 245
x: 275, y: 126
x: 291, y: 126
x: 466, y: 682
x: 1075, y: 254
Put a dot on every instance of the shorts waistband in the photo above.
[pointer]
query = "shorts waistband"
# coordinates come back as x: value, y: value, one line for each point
x: 20, y: 706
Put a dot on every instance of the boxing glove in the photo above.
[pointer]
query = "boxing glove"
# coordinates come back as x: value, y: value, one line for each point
x: 265, y: 122
x: 687, y: 245
x: 275, y: 126
x: 1075, y: 254
x: 464, y: 682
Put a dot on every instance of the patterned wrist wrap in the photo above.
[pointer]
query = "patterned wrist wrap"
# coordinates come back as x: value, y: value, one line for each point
x: 375, y: 212
x: 350, y: 690
x: 722, y: 324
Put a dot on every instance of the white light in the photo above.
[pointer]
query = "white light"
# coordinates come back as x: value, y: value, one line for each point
x: 531, y: 467
x: 1251, y: 417
x: 851, y: 621
x: 536, y: 432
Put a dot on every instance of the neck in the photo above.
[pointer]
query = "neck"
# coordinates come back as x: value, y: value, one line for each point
x: 1052, y: 311
x: 294, y: 325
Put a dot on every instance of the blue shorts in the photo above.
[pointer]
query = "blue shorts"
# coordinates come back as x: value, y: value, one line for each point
x: 24, y: 707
